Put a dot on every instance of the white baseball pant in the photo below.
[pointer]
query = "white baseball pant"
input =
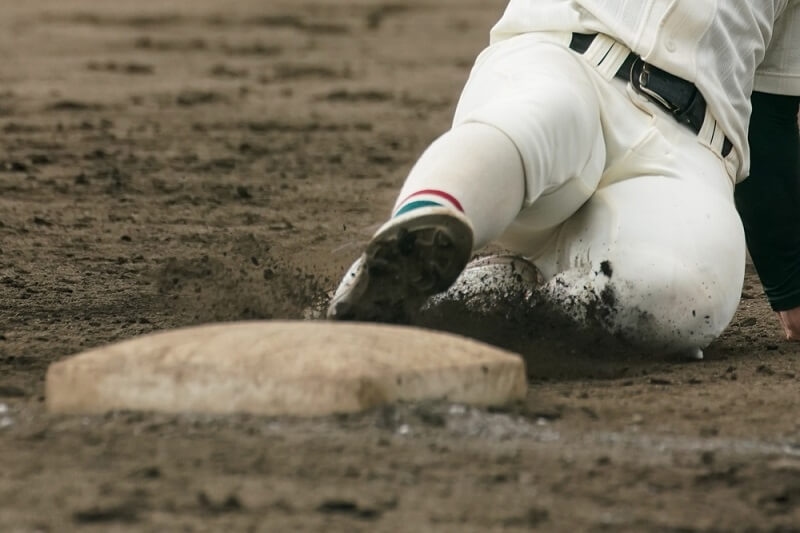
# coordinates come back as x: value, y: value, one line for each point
x: 615, y: 202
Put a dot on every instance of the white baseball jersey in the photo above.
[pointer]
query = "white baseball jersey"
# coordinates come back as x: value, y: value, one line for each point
x: 727, y: 48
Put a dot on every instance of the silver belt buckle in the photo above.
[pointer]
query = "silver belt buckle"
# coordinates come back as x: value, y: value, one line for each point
x: 644, y: 77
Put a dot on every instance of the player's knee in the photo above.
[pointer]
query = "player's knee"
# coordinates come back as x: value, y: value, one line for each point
x: 665, y: 303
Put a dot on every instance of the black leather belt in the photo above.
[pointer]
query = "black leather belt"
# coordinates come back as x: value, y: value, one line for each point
x: 675, y: 95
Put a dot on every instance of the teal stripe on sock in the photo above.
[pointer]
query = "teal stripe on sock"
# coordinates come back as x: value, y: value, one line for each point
x: 416, y: 205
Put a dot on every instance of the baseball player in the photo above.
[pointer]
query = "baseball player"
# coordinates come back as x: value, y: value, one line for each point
x: 602, y: 140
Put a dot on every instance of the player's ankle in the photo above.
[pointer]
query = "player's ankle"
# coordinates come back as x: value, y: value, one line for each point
x: 425, y: 198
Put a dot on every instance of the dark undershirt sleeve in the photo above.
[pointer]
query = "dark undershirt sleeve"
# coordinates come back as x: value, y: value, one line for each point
x: 769, y: 200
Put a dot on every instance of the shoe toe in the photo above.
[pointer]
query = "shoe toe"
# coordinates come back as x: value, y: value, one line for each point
x: 339, y: 306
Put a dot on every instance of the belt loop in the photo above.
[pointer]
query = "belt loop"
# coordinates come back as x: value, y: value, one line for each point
x: 607, y: 55
x: 710, y: 134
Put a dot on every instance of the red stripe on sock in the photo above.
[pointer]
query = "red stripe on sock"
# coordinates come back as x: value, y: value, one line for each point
x: 434, y: 192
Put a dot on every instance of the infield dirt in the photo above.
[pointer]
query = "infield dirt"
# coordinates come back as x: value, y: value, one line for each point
x: 165, y: 164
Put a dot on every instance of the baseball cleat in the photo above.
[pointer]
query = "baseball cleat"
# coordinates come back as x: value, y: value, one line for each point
x: 409, y: 259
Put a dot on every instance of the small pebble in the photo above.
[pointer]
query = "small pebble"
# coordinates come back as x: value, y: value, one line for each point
x: 457, y: 409
x: 694, y: 354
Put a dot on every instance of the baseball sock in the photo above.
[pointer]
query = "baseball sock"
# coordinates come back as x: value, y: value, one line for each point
x: 473, y: 168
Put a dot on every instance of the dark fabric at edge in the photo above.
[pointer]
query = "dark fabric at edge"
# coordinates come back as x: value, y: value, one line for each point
x: 769, y: 199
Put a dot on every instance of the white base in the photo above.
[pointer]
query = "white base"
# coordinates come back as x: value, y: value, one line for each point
x: 301, y: 368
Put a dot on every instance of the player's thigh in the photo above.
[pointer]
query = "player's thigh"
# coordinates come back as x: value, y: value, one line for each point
x: 536, y: 68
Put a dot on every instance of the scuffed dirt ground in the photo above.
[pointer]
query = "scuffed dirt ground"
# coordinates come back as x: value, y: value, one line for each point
x: 172, y: 163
